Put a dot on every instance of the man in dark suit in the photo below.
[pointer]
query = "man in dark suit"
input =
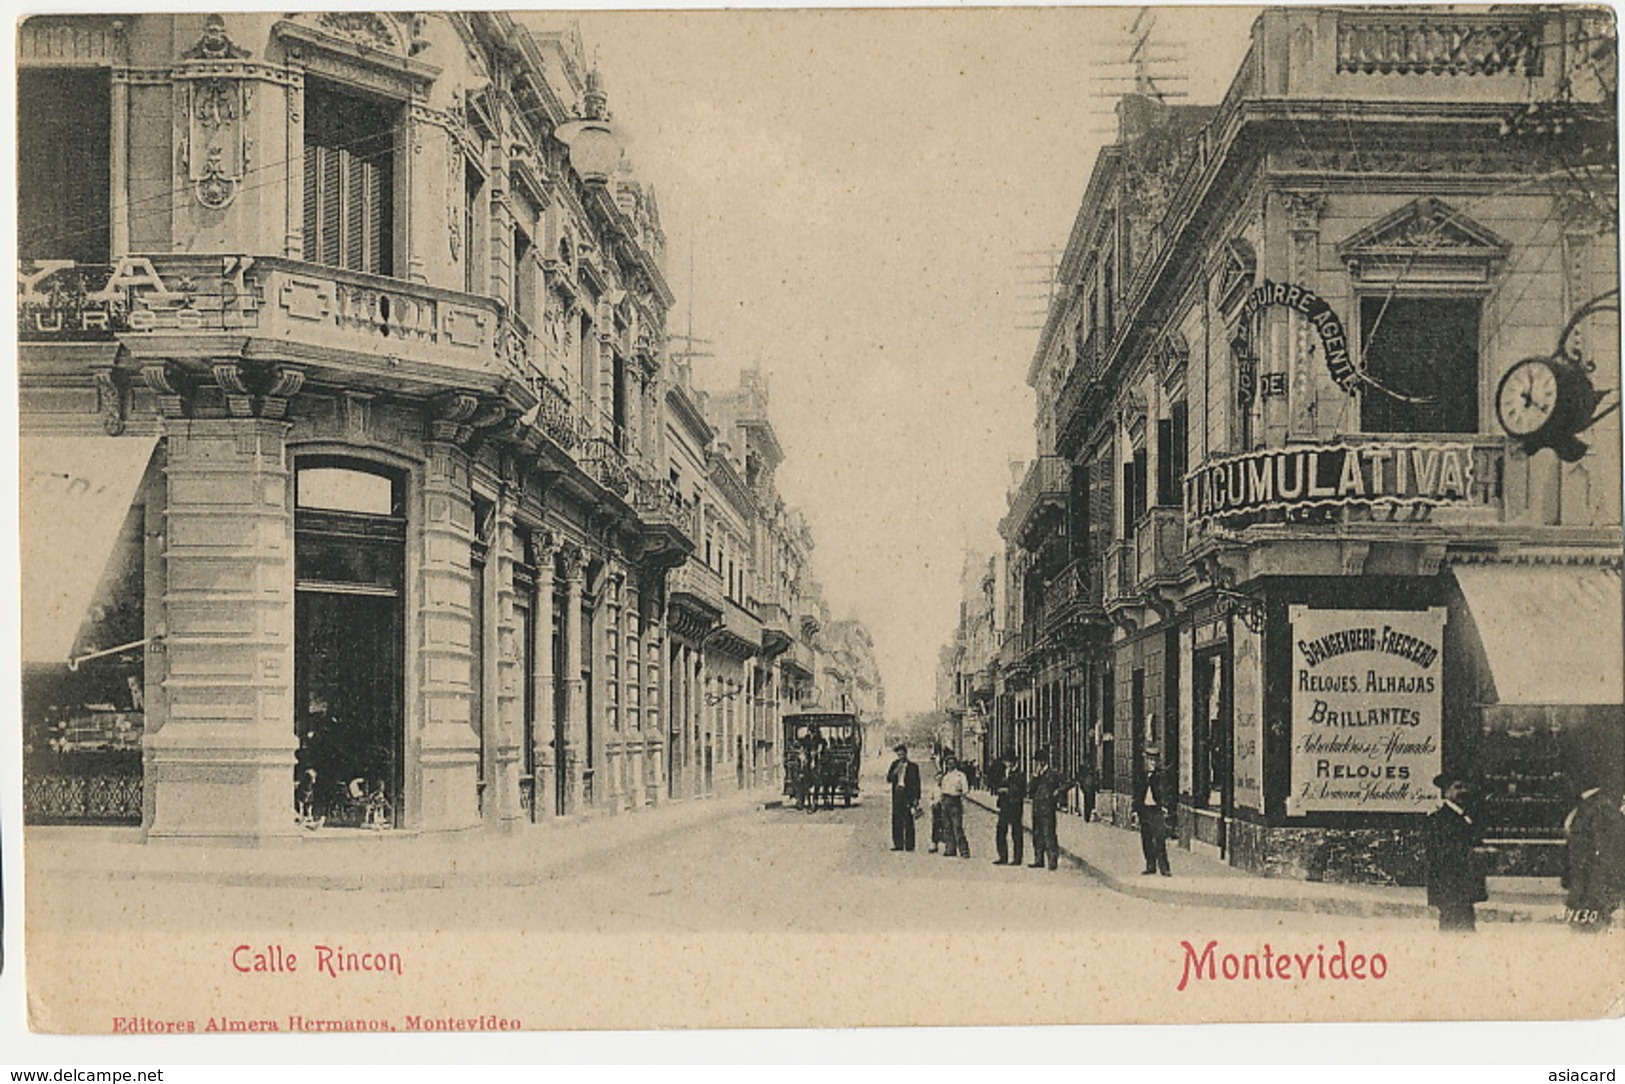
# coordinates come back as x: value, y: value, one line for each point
x: 1012, y: 793
x: 1595, y: 871
x: 1151, y: 808
x: 1455, y: 871
x: 1048, y: 791
x: 904, y: 777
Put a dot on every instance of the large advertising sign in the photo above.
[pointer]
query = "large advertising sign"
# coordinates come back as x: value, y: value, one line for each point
x: 1411, y: 474
x: 1366, y: 708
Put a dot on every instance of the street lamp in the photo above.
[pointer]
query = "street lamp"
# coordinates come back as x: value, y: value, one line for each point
x: 595, y: 143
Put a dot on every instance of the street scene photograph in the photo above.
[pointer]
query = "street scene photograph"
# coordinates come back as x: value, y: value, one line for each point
x: 827, y: 518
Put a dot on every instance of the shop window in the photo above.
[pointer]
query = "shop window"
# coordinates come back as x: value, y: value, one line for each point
x: 349, y: 181
x: 83, y: 722
x: 64, y: 177
x: 1421, y: 354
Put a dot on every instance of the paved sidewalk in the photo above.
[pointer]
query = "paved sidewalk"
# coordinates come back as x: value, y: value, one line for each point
x: 359, y: 859
x: 1112, y: 856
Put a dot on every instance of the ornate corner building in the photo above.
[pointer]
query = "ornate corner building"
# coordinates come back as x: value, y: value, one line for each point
x: 1327, y: 489
x: 349, y: 491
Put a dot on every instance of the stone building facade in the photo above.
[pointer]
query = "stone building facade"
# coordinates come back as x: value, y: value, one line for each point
x: 1291, y: 524
x: 352, y: 479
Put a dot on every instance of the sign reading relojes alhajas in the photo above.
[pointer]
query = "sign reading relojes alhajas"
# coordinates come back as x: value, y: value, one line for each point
x: 1366, y: 706
x: 1305, y: 475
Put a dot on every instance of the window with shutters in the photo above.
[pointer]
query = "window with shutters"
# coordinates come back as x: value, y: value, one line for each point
x: 63, y: 164
x: 349, y: 180
x: 1171, y: 453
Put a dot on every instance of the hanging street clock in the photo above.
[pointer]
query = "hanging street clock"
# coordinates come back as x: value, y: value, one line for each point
x: 1543, y: 402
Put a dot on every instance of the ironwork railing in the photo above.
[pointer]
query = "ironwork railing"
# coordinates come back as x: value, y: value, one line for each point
x: 659, y: 500
x: 607, y: 465
x: 1046, y: 481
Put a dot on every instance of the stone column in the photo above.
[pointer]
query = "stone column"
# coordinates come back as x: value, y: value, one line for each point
x: 541, y: 616
x: 443, y: 753
x: 573, y: 762
x: 221, y: 765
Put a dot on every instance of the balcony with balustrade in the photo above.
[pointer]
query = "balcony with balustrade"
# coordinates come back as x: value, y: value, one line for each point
x: 778, y: 628
x: 670, y: 525
x: 1121, y: 569
x: 1039, y: 502
x: 1159, y: 547
x: 698, y: 588
x: 1072, y: 600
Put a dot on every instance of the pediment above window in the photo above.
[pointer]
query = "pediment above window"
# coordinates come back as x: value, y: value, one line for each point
x: 1427, y: 240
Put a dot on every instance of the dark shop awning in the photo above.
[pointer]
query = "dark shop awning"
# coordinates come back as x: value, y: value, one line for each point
x: 76, y: 493
x: 1552, y: 633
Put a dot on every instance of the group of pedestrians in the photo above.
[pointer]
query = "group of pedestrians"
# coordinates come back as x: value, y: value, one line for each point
x: 1047, y: 790
x: 1594, y: 857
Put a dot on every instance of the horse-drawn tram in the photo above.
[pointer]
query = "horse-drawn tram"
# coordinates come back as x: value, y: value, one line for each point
x: 822, y: 754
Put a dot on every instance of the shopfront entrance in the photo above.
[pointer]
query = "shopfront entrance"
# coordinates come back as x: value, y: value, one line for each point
x: 348, y: 697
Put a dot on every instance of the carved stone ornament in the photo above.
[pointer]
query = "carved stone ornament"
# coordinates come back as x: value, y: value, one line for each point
x: 214, y: 44
x: 362, y: 27
x: 214, y: 147
x: 1303, y: 210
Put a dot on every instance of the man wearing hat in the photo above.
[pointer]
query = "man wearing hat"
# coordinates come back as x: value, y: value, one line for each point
x: 1012, y: 794
x: 1152, y: 810
x: 1048, y: 790
x: 904, y: 777
x: 1455, y: 873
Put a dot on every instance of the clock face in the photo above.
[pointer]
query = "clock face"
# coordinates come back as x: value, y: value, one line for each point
x: 1527, y: 397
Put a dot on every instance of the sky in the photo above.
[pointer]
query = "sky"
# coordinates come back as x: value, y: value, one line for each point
x: 872, y: 200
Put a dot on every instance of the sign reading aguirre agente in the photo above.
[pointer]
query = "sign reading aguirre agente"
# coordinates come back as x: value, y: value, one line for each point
x: 1367, y: 691
x: 1303, y: 475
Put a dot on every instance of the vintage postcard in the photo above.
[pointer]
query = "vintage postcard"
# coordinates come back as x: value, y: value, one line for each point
x: 1006, y: 516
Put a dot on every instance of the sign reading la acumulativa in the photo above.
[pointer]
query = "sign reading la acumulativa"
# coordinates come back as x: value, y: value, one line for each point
x: 1367, y: 695
x: 1318, y: 474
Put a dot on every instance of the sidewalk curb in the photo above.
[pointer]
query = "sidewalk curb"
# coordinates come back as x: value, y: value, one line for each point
x: 530, y: 863
x: 1345, y: 906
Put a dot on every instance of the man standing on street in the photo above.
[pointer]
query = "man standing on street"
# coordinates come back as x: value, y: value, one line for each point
x: 954, y: 789
x: 904, y: 777
x: 1011, y: 792
x: 1048, y: 792
x: 1595, y: 871
x: 1455, y: 873
x: 1152, y: 810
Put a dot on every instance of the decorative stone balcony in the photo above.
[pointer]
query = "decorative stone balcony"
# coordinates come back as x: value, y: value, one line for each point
x: 670, y: 524
x: 1159, y: 547
x: 1121, y: 570
x: 740, y: 631
x: 697, y: 588
x: 1072, y: 600
x: 1040, y: 501
x: 778, y: 631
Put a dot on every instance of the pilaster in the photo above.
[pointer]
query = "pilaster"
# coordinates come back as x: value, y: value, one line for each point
x: 575, y: 698
x: 449, y: 750
x: 222, y: 763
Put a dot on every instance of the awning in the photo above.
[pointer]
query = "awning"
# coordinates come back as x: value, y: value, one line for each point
x: 75, y: 495
x: 1552, y: 633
